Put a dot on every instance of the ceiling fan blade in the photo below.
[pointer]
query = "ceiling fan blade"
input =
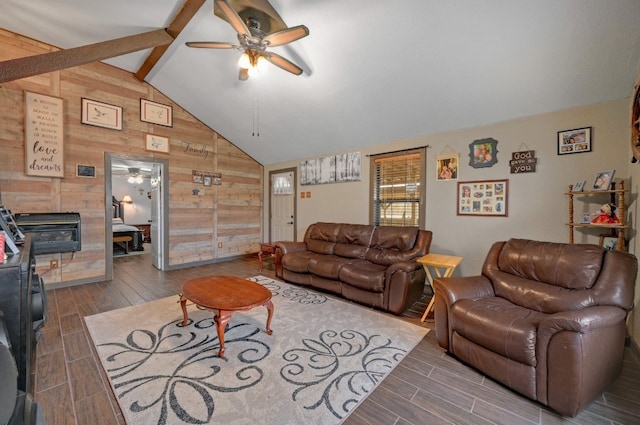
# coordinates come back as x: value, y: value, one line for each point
x: 287, y: 35
x: 212, y: 45
x: 232, y: 16
x: 283, y: 63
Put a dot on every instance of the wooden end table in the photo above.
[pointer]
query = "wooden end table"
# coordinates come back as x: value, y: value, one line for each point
x: 444, y: 265
x: 266, y: 249
x: 225, y: 294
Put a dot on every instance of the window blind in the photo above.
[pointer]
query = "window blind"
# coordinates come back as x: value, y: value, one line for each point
x: 397, y: 189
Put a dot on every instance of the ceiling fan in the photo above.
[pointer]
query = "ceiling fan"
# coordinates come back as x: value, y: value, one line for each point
x: 259, y: 27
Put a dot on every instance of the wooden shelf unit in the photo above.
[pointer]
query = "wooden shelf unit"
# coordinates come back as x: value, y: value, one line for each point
x: 617, y: 198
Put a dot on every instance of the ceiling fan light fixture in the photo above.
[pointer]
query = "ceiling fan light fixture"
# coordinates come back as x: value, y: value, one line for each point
x: 244, y: 62
x: 261, y: 64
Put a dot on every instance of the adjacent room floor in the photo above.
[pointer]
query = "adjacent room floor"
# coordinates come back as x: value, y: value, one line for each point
x: 428, y: 387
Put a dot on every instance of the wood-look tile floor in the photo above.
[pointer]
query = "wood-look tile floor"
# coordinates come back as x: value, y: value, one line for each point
x: 427, y: 387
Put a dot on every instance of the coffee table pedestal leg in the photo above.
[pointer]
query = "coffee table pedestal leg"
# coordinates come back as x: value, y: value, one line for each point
x: 222, y: 318
x: 183, y: 305
x: 269, y: 306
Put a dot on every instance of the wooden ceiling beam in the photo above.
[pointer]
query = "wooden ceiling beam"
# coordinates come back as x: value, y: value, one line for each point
x: 182, y: 18
x: 29, y: 66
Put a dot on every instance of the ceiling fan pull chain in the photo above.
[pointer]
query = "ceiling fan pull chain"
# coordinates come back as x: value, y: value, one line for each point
x: 256, y: 114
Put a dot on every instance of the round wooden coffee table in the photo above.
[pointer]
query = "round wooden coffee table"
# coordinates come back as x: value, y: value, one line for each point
x: 225, y: 294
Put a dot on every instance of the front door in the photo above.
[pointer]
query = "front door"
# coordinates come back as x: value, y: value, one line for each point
x: 282, y: 205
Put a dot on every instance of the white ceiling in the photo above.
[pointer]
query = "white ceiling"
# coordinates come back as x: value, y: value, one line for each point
x: 374, y: 71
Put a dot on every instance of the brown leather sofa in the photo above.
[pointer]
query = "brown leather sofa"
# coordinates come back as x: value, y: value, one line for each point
x: 372, y: 265
x: 545, y: 319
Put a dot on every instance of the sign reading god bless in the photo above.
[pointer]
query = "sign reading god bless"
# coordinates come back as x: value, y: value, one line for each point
x: 44, y: 135
x: 523, y: 162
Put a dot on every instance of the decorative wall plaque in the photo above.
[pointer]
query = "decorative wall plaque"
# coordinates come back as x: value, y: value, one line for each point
x: 44, y: 135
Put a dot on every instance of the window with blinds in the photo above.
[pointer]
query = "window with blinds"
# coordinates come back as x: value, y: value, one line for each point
x: 398, y: 188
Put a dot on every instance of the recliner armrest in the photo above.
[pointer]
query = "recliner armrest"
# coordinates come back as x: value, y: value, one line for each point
x: 458, y: 288
x: 583, y: 321
x: 447, y: 291
x: 573, y: 342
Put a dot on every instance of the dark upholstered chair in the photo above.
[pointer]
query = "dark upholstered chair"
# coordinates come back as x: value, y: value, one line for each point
x: 545, y: 319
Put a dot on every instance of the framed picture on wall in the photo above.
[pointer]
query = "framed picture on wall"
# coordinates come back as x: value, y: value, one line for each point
x: 577, y: 140
x: 155, y: 143
x: 447, y: 166
x: 483, y: 153
x: 101, y: 114
x: 156, y: 113
x: 85, y: 170
x: 483, y: 198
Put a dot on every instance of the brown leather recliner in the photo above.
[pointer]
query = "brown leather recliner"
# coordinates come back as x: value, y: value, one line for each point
x: 545, y: 319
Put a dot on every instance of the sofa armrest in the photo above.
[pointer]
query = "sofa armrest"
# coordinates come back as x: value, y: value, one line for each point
x: 403, y: 266
x: 289, y: 246
x: 447, y: 291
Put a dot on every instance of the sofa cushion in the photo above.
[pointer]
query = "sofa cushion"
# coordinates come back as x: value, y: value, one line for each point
x: 321, y: 237
x: 498, y: 325
x: 391, y: 245
x: 327, y: 266
x: 364, y: 275
x: 298, y: 262
x: 353, y: 240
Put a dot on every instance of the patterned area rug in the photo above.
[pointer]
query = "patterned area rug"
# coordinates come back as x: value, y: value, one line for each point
x: 324, y: 357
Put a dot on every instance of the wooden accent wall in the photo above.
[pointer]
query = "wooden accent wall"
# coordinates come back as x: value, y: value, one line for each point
x: 229, y: 214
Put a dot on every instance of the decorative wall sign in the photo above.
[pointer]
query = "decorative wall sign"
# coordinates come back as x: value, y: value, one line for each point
x: 483, y: 153
x: 101, y: 114
x: 195, y: 149
x: 156, y: 113
x: 523, y: 162
x: 85, y: 170
x: 574, y: 141
x: 155, y: 143
x: 44, y: 135
x: 483, y: 197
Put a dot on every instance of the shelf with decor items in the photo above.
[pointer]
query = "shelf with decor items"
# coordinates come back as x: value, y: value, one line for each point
x: 616, y: 197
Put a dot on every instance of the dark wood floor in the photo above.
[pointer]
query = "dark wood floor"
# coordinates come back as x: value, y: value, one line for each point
x: 428, y: 387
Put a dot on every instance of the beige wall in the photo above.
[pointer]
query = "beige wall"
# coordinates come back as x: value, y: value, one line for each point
x: 538, y: 207
x: 223, y: 221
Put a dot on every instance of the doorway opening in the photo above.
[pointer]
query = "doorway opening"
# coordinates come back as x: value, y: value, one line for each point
x: 136, y: 201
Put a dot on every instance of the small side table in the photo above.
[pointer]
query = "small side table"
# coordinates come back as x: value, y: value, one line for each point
x: 266, y: 249
x: 444, y: 265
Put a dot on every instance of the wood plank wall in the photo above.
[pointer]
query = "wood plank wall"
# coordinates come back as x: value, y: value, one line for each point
x: 229, y: 214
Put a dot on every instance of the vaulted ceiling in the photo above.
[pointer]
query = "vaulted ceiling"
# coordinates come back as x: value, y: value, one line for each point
x: 374, y: 71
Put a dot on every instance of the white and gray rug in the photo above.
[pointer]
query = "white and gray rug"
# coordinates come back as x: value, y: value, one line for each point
x: 324, y: 357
